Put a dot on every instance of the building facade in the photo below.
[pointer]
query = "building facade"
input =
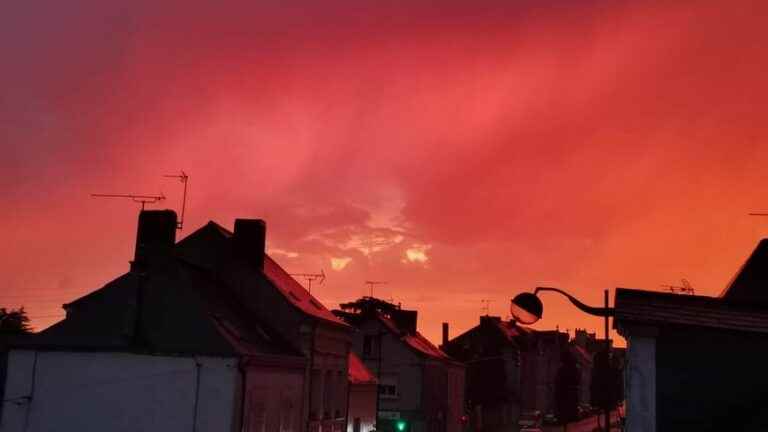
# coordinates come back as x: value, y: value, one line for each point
x: 205, y: 334
x: 363, y: 396
x: 421, y: 389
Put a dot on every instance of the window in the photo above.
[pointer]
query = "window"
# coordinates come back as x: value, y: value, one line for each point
x: 388, y: 387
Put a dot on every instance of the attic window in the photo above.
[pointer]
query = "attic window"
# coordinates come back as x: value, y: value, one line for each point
x: 315, y: 304
x: 294, y: 296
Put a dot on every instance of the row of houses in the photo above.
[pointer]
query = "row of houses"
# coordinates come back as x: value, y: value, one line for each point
x: 205, y: 334
x: 210, y: 333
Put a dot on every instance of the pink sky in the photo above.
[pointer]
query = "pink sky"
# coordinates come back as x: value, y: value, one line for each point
x: 461, y: 151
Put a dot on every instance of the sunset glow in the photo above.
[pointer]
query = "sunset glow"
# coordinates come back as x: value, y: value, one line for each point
x: 460, y: 151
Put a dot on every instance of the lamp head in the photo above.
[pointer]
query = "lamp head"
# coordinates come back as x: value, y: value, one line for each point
x: 526, y: 308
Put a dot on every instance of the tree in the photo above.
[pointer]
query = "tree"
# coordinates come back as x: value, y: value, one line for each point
x: 14, y: 321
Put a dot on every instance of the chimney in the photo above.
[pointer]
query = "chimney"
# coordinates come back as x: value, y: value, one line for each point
x: 250, y: 240
x: 445, y: 333
x: 155, y: 237
x: 405, y: 320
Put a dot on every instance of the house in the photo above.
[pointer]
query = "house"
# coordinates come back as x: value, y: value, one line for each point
x: 363, y: 395
x: 698, y: 362
x: 583, y: 348
x: 421, y: 389
x: 266, y: 290
x: 183, y: 342
x: 492, y: 352
x: 513, y: 369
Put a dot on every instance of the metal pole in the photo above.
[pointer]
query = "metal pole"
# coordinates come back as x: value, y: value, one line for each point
x: 607, y: 359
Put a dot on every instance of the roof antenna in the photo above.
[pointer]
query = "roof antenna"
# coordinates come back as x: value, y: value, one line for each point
x: 371, y: 284
x: 183, y: 177
x: 311, y: 277
x: 143, y: 199
x: 685, y: 288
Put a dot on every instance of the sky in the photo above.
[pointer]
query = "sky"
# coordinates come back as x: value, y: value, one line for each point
x: 463, y: 152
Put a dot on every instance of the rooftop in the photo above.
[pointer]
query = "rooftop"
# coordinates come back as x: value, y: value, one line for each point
x: 657, y: 308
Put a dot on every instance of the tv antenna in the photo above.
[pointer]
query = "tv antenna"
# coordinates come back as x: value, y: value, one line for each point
x: 486, y: 306
x: 143, y: 199
x: 183, y: 178
x: 684, y: 287
x: 371, y: 284
x: 311, y: 277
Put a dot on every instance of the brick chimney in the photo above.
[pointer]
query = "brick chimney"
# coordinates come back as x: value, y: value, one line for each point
x: 155, y: 237
x: 250, y: 240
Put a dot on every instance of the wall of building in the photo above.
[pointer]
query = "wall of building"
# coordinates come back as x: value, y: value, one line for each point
x: 362, y: 408
x: 710, y: 380
x: 274, y: 404
x: 400, y: 367
x: 89, y: 391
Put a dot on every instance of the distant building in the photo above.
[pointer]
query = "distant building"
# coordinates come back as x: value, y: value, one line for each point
x: 421, y: 389
x: 208, y: 334
x: 510, y: 369
x: 697, y: 362
x: 363, y: 394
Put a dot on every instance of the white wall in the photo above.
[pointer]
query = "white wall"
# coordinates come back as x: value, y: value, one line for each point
x: 640, y: 384
x: 89, y: 391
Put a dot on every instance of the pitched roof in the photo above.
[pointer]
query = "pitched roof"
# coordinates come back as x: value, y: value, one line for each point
x: 751, y: 281
x: 511, y: 330
x: 358, y: 373
x: 183, y: 311
x: 209, y: 246
x: 415, y: 341
x: 657, y: 308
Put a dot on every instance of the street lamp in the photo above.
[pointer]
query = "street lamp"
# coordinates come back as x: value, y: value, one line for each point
x: 527, y: 308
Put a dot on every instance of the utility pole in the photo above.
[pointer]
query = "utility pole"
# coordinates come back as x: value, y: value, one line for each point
x: 608, y: 362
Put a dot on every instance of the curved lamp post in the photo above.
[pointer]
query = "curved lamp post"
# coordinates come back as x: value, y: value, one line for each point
x: 527, y: 308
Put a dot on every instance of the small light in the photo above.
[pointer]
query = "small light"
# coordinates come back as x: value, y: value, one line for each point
x: 400, y: 425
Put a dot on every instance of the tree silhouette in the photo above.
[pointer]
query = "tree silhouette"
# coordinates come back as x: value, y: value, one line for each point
x: 14, y: 321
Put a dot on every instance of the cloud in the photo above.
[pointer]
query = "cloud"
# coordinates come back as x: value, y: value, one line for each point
x: 523, y: 140
x: 339, y: 263
x: 417, y: 254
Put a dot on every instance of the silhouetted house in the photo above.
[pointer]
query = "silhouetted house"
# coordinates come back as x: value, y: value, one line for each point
x: 697, y: 362
x: 363, y: 394
x: 492, y: 352
x: 420, y: 387
x: 584, y: 364
x: 510, y: 369
x: 183, y: 341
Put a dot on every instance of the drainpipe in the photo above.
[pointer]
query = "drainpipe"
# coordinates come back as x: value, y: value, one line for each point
x: 243, y: 392
x: 198, y: 365
x: 380, y: 335
x: 311, y: 364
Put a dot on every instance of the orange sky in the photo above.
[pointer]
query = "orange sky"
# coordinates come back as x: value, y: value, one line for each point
x: 459, y: 150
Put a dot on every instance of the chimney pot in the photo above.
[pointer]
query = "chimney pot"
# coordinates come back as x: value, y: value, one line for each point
x: 445, y: 333
x: 250, y: 240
